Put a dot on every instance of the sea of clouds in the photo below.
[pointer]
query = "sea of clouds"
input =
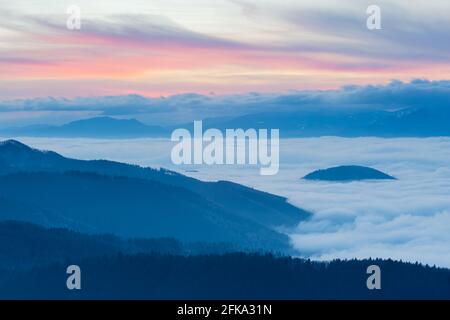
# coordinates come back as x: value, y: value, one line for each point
x: 406, y: 219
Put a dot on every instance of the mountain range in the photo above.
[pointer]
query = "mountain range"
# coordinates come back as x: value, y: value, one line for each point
x: 345, y: 122
x: 103, y: 196
x: 99, y: 127
x: 292, y: 122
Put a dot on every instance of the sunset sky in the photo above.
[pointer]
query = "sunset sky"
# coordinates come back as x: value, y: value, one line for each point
x: 167, y: 47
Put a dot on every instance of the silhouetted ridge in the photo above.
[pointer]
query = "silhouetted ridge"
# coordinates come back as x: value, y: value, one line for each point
x: 24, y: 245
x: 110, y: 197
x: 235, y: 276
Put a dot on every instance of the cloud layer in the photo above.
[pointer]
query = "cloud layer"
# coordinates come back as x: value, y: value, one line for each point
x: 185, y: 108
x: 405, y: 219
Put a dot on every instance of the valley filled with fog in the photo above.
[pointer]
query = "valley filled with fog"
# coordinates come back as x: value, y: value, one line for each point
x: 406, y: 219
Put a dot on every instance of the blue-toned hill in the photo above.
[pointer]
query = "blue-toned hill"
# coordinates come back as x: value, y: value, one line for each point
x: 100, y: 127
x: 348, y: 173
x: 266, y: 208
x: 108, y: 197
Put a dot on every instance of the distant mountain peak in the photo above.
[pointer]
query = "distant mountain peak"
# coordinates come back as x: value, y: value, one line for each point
x: 102, y: 127
x: 106, y: 119
x: 106, y: 124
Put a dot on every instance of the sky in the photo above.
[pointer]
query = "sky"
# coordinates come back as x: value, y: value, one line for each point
x: 212, y: 47
x: 171, y: 61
